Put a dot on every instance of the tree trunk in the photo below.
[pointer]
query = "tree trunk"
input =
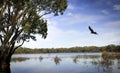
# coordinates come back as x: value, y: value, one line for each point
x: 5, y: 64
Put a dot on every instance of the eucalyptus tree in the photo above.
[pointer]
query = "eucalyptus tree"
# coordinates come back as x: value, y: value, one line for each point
x: 20, y: 20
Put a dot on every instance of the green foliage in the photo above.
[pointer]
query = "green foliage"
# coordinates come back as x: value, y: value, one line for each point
x: 20, y: 20
x: 69, y: 50
x: 27, y: 15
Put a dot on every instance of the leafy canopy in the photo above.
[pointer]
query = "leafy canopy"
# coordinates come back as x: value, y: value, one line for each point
x: 20, y: 20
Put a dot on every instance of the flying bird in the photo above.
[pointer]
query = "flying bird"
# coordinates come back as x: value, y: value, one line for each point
x: 92, y: 31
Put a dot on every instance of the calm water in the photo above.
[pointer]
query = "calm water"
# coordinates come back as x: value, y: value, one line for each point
x: 63, y: 63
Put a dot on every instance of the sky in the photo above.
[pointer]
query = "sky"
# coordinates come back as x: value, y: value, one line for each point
x: 71, y: 28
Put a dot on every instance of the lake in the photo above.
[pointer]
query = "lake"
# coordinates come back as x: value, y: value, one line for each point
x: 63, y: 63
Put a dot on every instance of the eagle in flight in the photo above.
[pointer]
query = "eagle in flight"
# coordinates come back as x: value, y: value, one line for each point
x: 92, y: 31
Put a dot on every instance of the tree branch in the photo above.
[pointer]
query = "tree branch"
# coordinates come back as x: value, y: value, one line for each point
x: 2, y: 10
x: 11, y: 31
x: 4, y: 26
x: 26, y: 19
x: 23, y: 13
x: 44, y: 14
x: 17, y: 33
x: 11, y: 48
x: 1, y: 38
x: 17, y: 47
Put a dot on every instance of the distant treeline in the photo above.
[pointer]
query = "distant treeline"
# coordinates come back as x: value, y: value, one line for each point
x: 109, y: 48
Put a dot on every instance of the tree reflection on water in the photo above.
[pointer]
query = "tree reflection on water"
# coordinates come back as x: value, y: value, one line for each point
x: 40, y: 58
x: 76, y: 59
x: 19, y: 59
x: 57, y: 60
x: 106, y: 65
x: 98, y: 63
x: 118, y: 63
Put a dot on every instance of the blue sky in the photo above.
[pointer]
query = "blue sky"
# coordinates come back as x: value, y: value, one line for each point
x: 71, y: 29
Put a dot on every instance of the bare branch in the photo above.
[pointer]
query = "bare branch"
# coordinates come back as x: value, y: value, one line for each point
x: 1, y: 38
x: 4, y: 26
x: 17, y: 33
x: 25, y: 19
x: 19, y: 45
x: 45, y: 14
x: 22, y: 14
x: 2, y: 10
x: 13, y: 50
x: 11, y: 31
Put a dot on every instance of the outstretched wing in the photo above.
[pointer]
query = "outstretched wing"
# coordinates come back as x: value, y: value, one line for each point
x: 90, y: 29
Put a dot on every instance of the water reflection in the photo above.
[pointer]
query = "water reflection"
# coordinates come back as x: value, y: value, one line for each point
x: 118, y: 63
x: 75, y: 59
x: 107, y: 65
x: 40, y: 58
x: 19, y: 59
x: 57, y: 60
x: 65, y: 64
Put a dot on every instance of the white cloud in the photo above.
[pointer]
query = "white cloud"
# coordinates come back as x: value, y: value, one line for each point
x: 116, y: 7
x: 80, y: 19
x: 114, y: 23
x: 105, y: 12
x: 111, y: 37
x: 70, y: 14
x: 60, y: 38
x: 71, y: 7
x: 57, y: 37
